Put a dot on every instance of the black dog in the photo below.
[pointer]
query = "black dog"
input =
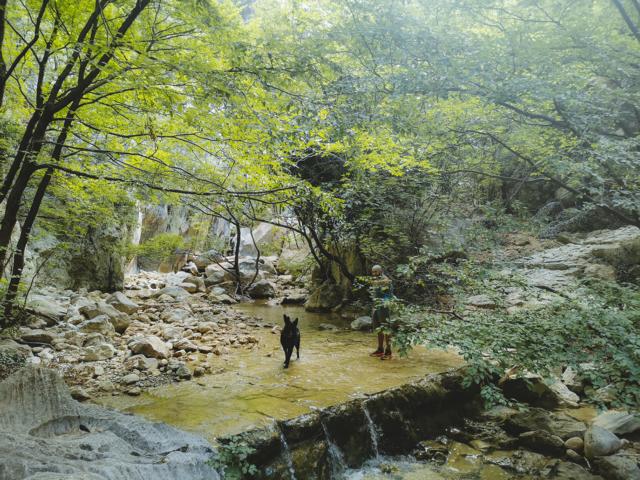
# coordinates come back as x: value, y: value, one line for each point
x: 289, y: 338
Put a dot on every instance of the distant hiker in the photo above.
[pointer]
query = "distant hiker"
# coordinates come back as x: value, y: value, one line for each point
x: 191, y: 268
x: 381, y: 293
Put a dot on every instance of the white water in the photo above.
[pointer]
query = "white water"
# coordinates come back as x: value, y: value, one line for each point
x: 338, y: 465
x: 287, y: 454
x: 372, y: 430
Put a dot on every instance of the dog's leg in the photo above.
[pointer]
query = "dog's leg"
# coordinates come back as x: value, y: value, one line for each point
x: 298, y: 350
x: 287, y: 356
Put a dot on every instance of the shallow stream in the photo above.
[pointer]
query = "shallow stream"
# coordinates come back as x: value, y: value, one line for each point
x: 252, y: 388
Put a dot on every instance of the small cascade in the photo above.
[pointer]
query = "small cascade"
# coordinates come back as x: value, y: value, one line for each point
x: 287, y: 454
x: 372, y: 430
x: 338, y: 465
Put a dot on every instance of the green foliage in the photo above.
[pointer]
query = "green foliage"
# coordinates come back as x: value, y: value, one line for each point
x: 597, y: 333
x: 232, y: 460
x: 10, y: 361
x: 159, y: 248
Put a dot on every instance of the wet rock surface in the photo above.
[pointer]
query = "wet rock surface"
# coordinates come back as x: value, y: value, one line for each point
x: 45, y: 434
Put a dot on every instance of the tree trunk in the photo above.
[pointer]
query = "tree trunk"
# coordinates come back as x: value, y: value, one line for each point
x: 11, y: 211
x: 19, y: 256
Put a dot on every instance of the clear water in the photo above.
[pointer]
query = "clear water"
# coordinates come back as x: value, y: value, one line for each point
x: 463, y: 463
x: 252, y: 388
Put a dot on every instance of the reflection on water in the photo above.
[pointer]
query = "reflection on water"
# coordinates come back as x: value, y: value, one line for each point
x: 253, y: 388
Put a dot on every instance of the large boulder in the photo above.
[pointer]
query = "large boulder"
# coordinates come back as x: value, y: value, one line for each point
x: 119, y: 319
x: 542, y: 442
x: 175, y: 292
x: 207, y: 258
x: 362, y: 323
x: 98, y: 262
x: 559, y: 424
x: 149, y: 346
x: 262, y: 289
x: 599, y: 442
x: 617, y: 467
x: 46, y: 307
x: 47, y: 435
x: 37, y: 336
x: 100, y: 351
x: 325, y: 297
x: 536, y: 391
x: 619, y: 423
x: 122, y: 303
x: 100, y: 324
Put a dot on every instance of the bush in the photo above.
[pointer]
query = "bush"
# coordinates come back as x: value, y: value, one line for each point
x: 596, y: 333
x: 158, y: 248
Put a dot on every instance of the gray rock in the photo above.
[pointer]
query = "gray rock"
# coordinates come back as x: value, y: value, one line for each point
x: 325, y: 297
x: 599, y: 442
x: 140, y: 362
x: 183, y: 372
x: 123, y: 303
x: 197, y: 281
x: 542, y: 442
x: 119, y: 319
x: 175, y: 292
x: 620, y: 423
x: 575, y: 443
x: 563, y: 393
x: 223, y: 299
x: 534, y: 390
x: 46, y: 307
x: 262, y: 289
x: 617, y: 467
x: 558, y: 424
x: 150, y: 346
x: 170, y: 332
x: 569, y: 471
x: 481, y: 301
x: 38, y: 336
x: 186, y: 345
x: 101, y: 351
x: 79, y: 393
x: 189, y: 287
x: 130, y: 378
x: 176, y: 315
x: 362, y: 323
x: 100, y: 324
x: 215, y: 277
x: 327, y: 326
x: 46, y: 435
x: 93, y: 339
x: 296, y: 297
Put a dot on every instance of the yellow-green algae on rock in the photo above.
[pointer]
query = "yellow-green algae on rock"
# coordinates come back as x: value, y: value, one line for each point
x: 254, y: 389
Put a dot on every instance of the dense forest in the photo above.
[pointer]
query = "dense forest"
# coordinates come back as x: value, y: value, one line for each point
x: 445, y: 140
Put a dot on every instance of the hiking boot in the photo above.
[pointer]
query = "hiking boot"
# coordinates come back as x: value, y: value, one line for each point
x: 377, y: 353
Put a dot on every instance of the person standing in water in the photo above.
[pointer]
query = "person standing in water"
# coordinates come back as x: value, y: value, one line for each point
x: 381, y: 292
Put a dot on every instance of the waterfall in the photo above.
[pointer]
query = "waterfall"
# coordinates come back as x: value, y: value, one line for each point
x: 372, y: 429
x: 338, y: 464
x: 287, y: 454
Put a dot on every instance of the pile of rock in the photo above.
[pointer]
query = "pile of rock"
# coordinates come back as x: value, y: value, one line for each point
x: 218, y: 280
x: 170, y: 330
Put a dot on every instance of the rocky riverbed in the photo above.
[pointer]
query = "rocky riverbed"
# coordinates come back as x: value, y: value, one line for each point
x: 163, y: 328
